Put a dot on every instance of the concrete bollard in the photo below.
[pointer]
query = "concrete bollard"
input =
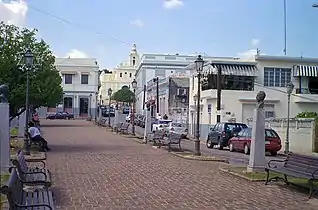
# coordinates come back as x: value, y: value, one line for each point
x: 4, y: 137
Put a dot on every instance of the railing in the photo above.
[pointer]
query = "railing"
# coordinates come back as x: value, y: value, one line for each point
x: 306, y: 91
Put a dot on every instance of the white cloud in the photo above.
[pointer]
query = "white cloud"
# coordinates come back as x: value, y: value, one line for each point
x: 138, y: 23
x: 13, y: 12
x: 74, y: 53
x: 172, y: 4
x: 255, y: 42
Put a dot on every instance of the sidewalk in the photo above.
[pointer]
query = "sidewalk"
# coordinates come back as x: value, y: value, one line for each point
x: 95, y: 169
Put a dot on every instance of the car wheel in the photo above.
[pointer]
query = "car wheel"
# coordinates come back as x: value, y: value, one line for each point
x: 220, y: 146
x: 209, y: 143
x: 246, y: 149
x: 231, y: 147
x: 273, y: 153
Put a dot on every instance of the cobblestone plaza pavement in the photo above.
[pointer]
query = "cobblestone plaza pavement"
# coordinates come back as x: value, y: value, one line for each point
x: 94, y: 169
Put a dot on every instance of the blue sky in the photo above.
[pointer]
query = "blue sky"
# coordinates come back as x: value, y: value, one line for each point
x: 214, y: 27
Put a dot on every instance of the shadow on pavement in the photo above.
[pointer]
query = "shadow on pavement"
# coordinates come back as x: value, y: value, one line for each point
x: 64, y: 125
x: 85, y: 149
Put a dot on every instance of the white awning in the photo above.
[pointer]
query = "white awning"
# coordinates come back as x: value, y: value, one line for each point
x: 305, y: 71
x: 231, y: 69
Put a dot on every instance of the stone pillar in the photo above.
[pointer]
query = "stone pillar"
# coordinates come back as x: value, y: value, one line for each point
x: 147, y: 130
x: 257, y: 161
x: 116, y: 118
x: 4, y: 137
x: 21, y: 128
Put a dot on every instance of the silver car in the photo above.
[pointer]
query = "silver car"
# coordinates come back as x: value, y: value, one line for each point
x: 177, y: 127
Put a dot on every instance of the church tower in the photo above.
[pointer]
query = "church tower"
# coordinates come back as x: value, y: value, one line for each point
x: 133, y: 56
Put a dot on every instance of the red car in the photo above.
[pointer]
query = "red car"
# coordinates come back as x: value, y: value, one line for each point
x: 242, y: 141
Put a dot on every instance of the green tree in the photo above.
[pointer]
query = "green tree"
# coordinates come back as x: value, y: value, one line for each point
x: 124, y: 95
x: 45, y: 81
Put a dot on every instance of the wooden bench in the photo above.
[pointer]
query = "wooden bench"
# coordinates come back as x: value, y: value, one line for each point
x: 32, y: 176
x: 172, y: 138
x: 296, y: 165
x: 18, y: 198
x: 123, y: 128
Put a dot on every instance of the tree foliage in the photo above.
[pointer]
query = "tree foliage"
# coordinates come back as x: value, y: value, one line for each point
x: 124, y: 95
x: 45, y: 81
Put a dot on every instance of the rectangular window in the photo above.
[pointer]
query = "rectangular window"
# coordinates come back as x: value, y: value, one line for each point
x: 84, y: 79
x: 68, y: 78
x: 121, y: 75
x: 276, y: 77
x: 130, y: 75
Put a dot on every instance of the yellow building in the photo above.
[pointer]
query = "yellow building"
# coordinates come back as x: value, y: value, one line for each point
x: 122, y: 75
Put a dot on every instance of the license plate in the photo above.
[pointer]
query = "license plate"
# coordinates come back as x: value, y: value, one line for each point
x: 267, y: 142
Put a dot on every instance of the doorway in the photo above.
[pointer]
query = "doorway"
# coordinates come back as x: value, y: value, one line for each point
x: 313, y: 85
x: 83, y: 107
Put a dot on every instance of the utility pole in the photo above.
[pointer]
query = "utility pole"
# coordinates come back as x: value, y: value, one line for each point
x: 218, y: 95
x: 144, y: 99
x: 157, y: 93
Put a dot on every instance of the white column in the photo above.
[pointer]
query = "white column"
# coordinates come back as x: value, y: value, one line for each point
x: 147, y: 124
x: 4, y: 137
x: 21, y: 125
x: 257, y: 161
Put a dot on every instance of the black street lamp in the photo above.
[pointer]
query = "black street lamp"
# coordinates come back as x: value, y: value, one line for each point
x: 199, y: 62
x: 90, y: 107
x: 134, y: 86
x: 290, y: 88
x: 109, y: 102
x: 28, y: 61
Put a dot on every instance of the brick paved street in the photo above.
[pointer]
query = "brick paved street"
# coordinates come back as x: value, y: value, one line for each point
x: 95, y: 169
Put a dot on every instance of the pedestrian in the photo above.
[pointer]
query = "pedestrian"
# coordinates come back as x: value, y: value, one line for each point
x: 165, y: 117
x: 35, y: 136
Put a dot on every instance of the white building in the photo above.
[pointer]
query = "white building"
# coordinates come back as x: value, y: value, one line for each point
x: 120, y: 76
x: 80, y: 86
x: 243, y: 80
x: 158, y: 65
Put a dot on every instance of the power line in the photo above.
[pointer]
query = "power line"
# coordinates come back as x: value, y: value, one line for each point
x: 75, y: 24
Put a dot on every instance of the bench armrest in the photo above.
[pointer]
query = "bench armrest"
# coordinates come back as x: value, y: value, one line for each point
x: 38, y: 172
x: 315, y: 174
x: 34, y: 205
x: 278, y: 161
x: 35, y: 161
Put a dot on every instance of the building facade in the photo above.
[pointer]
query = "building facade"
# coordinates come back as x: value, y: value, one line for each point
x: 80, y: 79
x: 173, y: 95
x: 120, y: 76
x: 162, y: 66
x: 241, y: 81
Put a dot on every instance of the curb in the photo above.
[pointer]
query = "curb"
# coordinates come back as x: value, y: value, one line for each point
x: 240, y: 176
x: 200, y: 158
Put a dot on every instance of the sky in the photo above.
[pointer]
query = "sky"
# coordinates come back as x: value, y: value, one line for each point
x: 107, y: 29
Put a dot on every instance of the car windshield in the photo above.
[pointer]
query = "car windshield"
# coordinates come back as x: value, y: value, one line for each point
x: 270, y: 133
x: 165, y: 122
x: 232, y: 126
x: 176, y: 125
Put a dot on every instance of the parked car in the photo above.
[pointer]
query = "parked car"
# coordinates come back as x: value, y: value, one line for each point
x: 222, y: 132
x: 126, y: 110
x: 108, y: 112
x: 139, y: 120
x: 177, y: 128
x: 60, y: 115
x: 242, y: 141
x: 128, y: 118
x: 160, y: 124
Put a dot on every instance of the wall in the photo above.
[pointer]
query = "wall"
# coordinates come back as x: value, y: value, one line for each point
x: 302, y: 134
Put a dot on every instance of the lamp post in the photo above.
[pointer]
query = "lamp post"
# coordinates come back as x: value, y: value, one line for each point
x: 195, y: 98
x: 199, y: 62
x: 96, y: 106
x: 90, y: 107
x: 290, y: 88
x: 28, y: 61
x: 134, y: 86
x: 109, y: 102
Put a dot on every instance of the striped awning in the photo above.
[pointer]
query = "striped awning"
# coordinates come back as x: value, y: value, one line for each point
x: 231, y: 69
x: 305, y: 71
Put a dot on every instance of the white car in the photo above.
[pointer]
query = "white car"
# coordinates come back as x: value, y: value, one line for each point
x: 177, y: 127
x: 160, y: 125
x: 128, y: 118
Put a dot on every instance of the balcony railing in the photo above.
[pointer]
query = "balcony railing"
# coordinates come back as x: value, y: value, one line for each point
x: 306, y: 91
